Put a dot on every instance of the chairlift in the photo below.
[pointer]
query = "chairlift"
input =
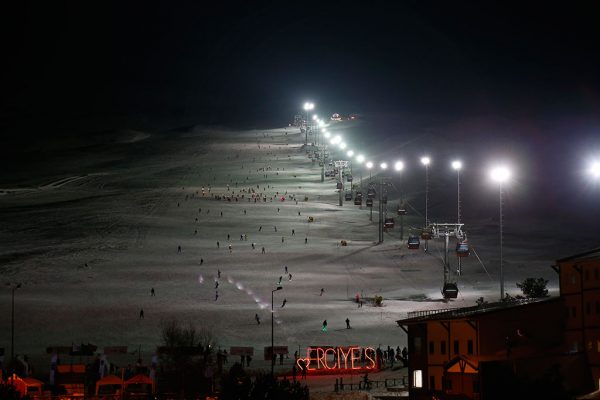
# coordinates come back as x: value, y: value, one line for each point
x: 358, y: 199
x: 389, y: 223
x: 348, y: 196
x: 401, y: 211
x: 462, y: 249
x: 338, y: 186
x: 413, y: 242
x: 450, y: 290
x: 426, y: 234
x: 371, y: 193
x: 348, y: 178
x: 369, y: 202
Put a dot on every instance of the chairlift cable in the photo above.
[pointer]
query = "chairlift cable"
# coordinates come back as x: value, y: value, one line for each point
x: 481, y: 262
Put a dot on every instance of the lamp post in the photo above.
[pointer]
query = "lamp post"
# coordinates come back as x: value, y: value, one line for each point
x: 272, y: 334
x: 426, y: 161
x: 383, y: 166
x: 500, y: 175
x: 12, y: 324
x: 307, y: 107
x: 399, y: 166
x: 369, y: 165
x: 457, y: 166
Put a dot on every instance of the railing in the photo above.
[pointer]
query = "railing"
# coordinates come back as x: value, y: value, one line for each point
x: 369, y: 384
x: 457, y: 312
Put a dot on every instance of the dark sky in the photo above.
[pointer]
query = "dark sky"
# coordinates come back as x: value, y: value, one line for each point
x: 227, y: 62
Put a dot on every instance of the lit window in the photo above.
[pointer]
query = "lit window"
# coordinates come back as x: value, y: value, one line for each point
x: 418, y: 378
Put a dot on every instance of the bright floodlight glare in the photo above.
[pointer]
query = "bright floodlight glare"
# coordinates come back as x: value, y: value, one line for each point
x: 425, y: 160
x: 594, y: 169
x: 332, y: 141
x: 308, y: 106
x: 360, y: 158
x: 457, y: 165
x: 399, y: 166
x: 342, y: 145
x: 350, y: 153
x: 337, y: 139
x: 369, y: 164
x: 315, y: 117
x: 383, y: 165
x: 327, y: 134
x: 500, y: 174
x: 321, y: 123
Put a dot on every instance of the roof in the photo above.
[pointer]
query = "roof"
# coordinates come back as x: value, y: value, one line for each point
x: 138, y: 379
x: 110, y: 380
x: 588, y: 254
x: 467, y: 312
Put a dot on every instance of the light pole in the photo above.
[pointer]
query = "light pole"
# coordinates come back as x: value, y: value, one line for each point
x: 399, y: 166
x: 426, y: 161
x: 457, y: 166
x: 272, y: 334
x: 369, y: 165
x: 12, y: 324
x: 383, y: 166
x: 307, y: 107
x: 500, y: 175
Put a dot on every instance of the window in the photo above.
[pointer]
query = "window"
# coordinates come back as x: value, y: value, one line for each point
x: 417, y: 378
x: 417, y: 346
x: 456, y: 348
x: 587, y: 274
x: 431, y: 347
x: 588, y: 308
x: 432, y: 382
x: 470, y: 346
x: 443, y: 347
x: 573, y: 312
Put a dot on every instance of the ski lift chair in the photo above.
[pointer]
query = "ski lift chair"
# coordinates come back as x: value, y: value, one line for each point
x: 413, y: 242
x: 462, y: 249
x: 369, y: 202
x: 389, y: 223
x: 450, y: 290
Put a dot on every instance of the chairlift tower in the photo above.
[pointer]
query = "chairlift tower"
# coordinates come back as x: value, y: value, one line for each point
x: 447, y: 230
x: 340, y: 165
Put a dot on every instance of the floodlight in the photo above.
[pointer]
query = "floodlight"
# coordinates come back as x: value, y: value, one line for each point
x: 594, y: 169
x: 399, y: 165
x: 326, y: 134
x: 369, y: 164
x: 425, y: 160
x: 315, y: 117
x: 500, y: 174
x: 308, y: 106
x: 383, y: 165
x: 457, y: 165
x: 360, y: 158
x: 350, y: 153
x: 342, y: 145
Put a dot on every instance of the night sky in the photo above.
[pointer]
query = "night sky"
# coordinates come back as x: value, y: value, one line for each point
x: 523, y: 75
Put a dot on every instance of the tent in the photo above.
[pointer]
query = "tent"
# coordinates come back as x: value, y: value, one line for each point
x: 108, y: 381
x: 33, y: 386
x: 139, y: 382
x: 25, y: 386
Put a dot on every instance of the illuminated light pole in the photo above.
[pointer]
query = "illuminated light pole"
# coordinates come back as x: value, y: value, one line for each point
x: 273, y: 334
x: 12, y: 324
x: 383, y: 166
x: 500, y: 175
x: 594, y: 170
x: 350, y: 153
x: 399, y: 166
x: 307, y: 107
x: 457, y: 166
x: 369, y: 165
x: 426, y: 161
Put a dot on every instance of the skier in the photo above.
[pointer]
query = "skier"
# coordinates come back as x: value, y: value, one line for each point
x: 322, y: 291
x: 152, y: 292
x: 142, y: 313
x: 347, y: 323
x: 293, y: 232
x: 283, y: 304
x: 216, y: 295
x: 219, y: 273
x: 218, y: 245
x: 179, y: 249
x: 286, y: 270
x: 324, y: 327
x: 256, y: 317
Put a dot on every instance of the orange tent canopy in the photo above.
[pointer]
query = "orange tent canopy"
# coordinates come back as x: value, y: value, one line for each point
x: 108, y: 380
x: 138, y: 379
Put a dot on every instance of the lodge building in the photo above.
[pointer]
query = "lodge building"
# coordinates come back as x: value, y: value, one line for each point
x: 493, y: 350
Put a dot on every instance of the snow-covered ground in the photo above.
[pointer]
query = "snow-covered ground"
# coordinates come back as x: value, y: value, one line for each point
x: 89, y: 246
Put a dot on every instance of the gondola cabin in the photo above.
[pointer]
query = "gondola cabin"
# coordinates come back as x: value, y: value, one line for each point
x: 413, y: 242
x: 371, y: 193
x: 462, y: 249
x: 388, y: 223
x: 338, y: 186
x: 450, y: 290
x: 369, y: 202
x: 426, y: 234
x: 348, y: 196
x: 358, y: 200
